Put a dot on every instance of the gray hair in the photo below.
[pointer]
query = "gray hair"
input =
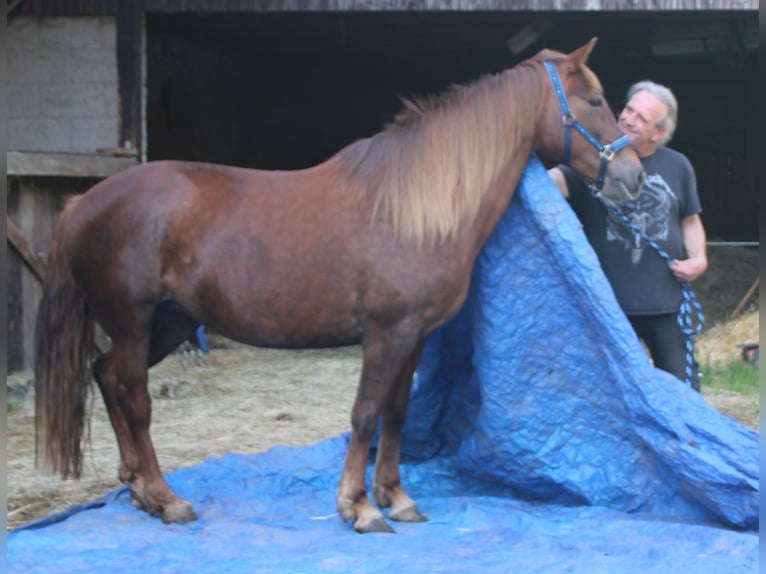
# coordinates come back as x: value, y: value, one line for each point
x: 662, y: 93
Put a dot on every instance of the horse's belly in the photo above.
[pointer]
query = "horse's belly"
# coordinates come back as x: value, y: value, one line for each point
x: 279, y: 331
x: 290, y: 317
x: 313, y: 290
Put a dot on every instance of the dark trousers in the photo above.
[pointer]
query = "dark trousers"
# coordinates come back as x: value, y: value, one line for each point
x: 666, y: 343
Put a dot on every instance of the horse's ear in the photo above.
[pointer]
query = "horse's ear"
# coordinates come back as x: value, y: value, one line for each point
x: 580, y: 55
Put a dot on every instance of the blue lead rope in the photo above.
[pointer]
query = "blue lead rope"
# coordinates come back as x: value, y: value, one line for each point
x: 690, y: 306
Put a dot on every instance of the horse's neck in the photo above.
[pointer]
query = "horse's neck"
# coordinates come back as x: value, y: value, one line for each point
x: 498, y: 196
x: 454, y: 170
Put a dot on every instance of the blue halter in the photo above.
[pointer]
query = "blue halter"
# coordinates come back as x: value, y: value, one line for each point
x: 606, y: 152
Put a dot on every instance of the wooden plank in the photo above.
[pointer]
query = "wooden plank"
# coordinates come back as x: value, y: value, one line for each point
x: 17, y: 239
x: 66, y: 164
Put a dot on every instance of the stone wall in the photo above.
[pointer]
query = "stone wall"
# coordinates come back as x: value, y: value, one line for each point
x: 62, y: 84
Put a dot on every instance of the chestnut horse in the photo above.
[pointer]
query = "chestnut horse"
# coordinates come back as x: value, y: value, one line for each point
x: 373, y: 246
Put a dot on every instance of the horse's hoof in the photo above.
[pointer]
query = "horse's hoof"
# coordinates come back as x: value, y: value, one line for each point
x: 178, y: 512
x: 377, y: 524
x: 408, y: 513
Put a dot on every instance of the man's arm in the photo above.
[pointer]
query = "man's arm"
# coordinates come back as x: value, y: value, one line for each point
x: 694, y: 242
x: 561, y: 182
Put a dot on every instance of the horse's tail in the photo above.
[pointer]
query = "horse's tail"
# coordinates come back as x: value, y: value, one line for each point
x: 64, y: 338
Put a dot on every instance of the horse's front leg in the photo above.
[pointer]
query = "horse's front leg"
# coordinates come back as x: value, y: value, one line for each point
x: 384, y: 356
x: 387, y: 487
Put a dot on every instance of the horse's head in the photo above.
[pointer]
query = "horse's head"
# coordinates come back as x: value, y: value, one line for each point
x: 579, y: 128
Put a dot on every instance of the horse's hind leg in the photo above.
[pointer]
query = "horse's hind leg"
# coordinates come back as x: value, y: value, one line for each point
x: 170, y: 326
x: 105, y: 376
x: 122, y: 376
x: 387, y: 487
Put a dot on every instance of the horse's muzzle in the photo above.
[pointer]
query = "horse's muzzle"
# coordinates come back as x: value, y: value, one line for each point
x: 633, y: 191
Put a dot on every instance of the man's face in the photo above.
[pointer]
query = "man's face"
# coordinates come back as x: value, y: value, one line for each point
x: 639, y: 120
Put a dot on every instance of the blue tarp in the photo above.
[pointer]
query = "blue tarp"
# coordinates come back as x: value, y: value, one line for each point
x: 539, y: 439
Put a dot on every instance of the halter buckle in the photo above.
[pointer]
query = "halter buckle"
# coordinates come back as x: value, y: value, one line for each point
x: 607, y: 154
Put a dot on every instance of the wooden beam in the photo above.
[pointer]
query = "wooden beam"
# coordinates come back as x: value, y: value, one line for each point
x: 19, y: 242
x: 60, y: 164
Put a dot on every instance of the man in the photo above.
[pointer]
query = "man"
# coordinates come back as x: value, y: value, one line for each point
x: 648, y: 288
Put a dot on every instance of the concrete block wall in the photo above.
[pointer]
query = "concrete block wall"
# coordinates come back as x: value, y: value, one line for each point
x: 62, y: 84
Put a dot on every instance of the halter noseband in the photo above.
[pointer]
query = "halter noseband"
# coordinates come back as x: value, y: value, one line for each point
x: 606, y: 152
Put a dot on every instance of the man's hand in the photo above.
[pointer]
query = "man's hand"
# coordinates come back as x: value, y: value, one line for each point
x: 695, y: 244
x: 558, y: 178
x: 688, y: 269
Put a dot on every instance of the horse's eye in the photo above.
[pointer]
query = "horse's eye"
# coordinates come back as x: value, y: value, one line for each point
x: 595, y: 102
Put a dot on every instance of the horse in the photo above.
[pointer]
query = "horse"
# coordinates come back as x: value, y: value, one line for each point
x: 374, y: 246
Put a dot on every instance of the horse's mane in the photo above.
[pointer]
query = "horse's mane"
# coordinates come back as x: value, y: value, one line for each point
x: 414, y: 107
x: 430, y: 167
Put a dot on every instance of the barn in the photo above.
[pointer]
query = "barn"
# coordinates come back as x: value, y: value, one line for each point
x: 97, y: 85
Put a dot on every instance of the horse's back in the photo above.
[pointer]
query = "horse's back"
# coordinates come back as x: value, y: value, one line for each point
x: 151, y: 196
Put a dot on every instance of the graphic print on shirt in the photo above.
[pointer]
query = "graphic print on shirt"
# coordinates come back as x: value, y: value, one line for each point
x: 649, y: 213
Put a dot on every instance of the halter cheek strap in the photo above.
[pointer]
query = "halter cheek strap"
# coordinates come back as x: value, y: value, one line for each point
x: 606, y: 152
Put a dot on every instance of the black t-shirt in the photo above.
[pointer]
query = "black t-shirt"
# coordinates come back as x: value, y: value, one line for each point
x: 640, y: 277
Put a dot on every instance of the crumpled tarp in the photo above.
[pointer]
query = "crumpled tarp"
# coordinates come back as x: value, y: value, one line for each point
x: 541, y: 384
x: 275, y: 512
x: 539, y: 439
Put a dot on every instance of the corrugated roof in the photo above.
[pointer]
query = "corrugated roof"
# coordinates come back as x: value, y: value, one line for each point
x: 445, y: 5
x: 108, y: 7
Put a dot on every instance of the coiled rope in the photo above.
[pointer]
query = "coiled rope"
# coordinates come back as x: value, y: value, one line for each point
x: 690, y: 316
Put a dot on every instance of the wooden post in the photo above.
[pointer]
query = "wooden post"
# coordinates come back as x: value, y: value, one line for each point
x: 129, y: 23
x: 746, y: 298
